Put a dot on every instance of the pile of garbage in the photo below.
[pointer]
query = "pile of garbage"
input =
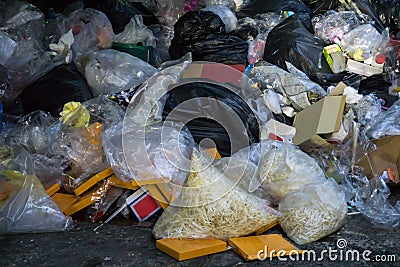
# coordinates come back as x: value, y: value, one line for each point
x: 217, y: 119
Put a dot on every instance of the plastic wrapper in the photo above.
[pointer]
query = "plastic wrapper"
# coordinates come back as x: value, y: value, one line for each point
x: 368, y: 108
x: 361, y: 42
x: 292, y: 42
x: 333, y: 25
x: 109, y: 71
x: 203, y: 34
x: 256, y: 49
x: 314, y: 212
x: 100, y: 208
x: 386, y: 124
x: 8, y: 46
x: 216, y: 207
x: 136, y: 32
x: 120, y: 12
x: 286, y: 169
x: 49, y: 93
x: 372, y: 201
x: 25, y: 207
x: 227, y: 16
x: 91, y: 29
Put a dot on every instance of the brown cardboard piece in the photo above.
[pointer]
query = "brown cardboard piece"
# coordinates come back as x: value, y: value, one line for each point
x: 323, y: 117
x: 386, y: 155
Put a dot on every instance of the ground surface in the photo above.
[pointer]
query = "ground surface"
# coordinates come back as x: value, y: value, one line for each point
x: 116, y: 245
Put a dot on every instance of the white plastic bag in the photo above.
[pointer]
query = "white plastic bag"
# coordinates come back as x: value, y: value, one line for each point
x: 314, y: 212
x: 286, y: 168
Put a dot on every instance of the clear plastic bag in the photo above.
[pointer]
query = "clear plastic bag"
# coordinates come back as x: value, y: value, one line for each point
x: 135, y: 32
x: 371, y: 200
x: 334, y: 24
x: 361, y: 42
x: 8, y: 46
x: 91, y: 29
x: 314, y: 212
x: 285, y: 169
x: 386, y: 124
x: 25, y: 207
x: 18, y: 13
x: 110, y: 71
x: 210, y: 205
x: 226, y: 15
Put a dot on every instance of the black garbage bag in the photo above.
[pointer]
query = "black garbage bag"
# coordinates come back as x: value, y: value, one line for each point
x: 379, y: 86
x: 61, y: 85
x: 291, y: 41
x: 277, y: 6
x: 202, y: 128
x: 203, y: 34
x: 321, y: 6
x: 373, y: 9
x: 120, y: 12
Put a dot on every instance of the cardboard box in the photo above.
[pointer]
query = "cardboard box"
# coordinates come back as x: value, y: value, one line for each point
x: 323, y: 117
x: 262, y: 247
x: 188, y: 249
x: 51, y: 190
x: 362, y: 68
x: 267, y: 227
x: 64, y: 201
x: 386, y: 156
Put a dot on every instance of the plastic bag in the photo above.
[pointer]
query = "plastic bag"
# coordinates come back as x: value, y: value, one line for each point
x: 135, y: 32
x: 364, y: 39
x: 216, y: 207
x: 371, y: 200
x: 261, y: 6
x: 203, y: 34
x: 81, y: 142
x: 286, y: 169
x: 109, y: 71
x: 91, y: 29
x: 334, y: 25
x: 294, y: 85
x: 367, y: 109
x: 8, y: 46
x: 120, y: 12
x: 386, y: 124
x: 169, y: 11
x: 163, y: 35
x: 18, y: 13
x: 25, y: 207
x: 314, y: 212
x: 227, y: 16
x: 61, y: 85
x: 321, y: 6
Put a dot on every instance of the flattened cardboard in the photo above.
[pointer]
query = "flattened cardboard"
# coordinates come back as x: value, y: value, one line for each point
x: 189, y: 249
x: 323, y: 117
x: 53, y: 189
x: 267, y: 227
x: 93, y: 180
x: 255, y: 247
x: 386, y: 155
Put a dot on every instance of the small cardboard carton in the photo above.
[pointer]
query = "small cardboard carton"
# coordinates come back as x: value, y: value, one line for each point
x: 262, y: 247
x: 323, y: 117
x: 386, y: 156
x: 190, y: 248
